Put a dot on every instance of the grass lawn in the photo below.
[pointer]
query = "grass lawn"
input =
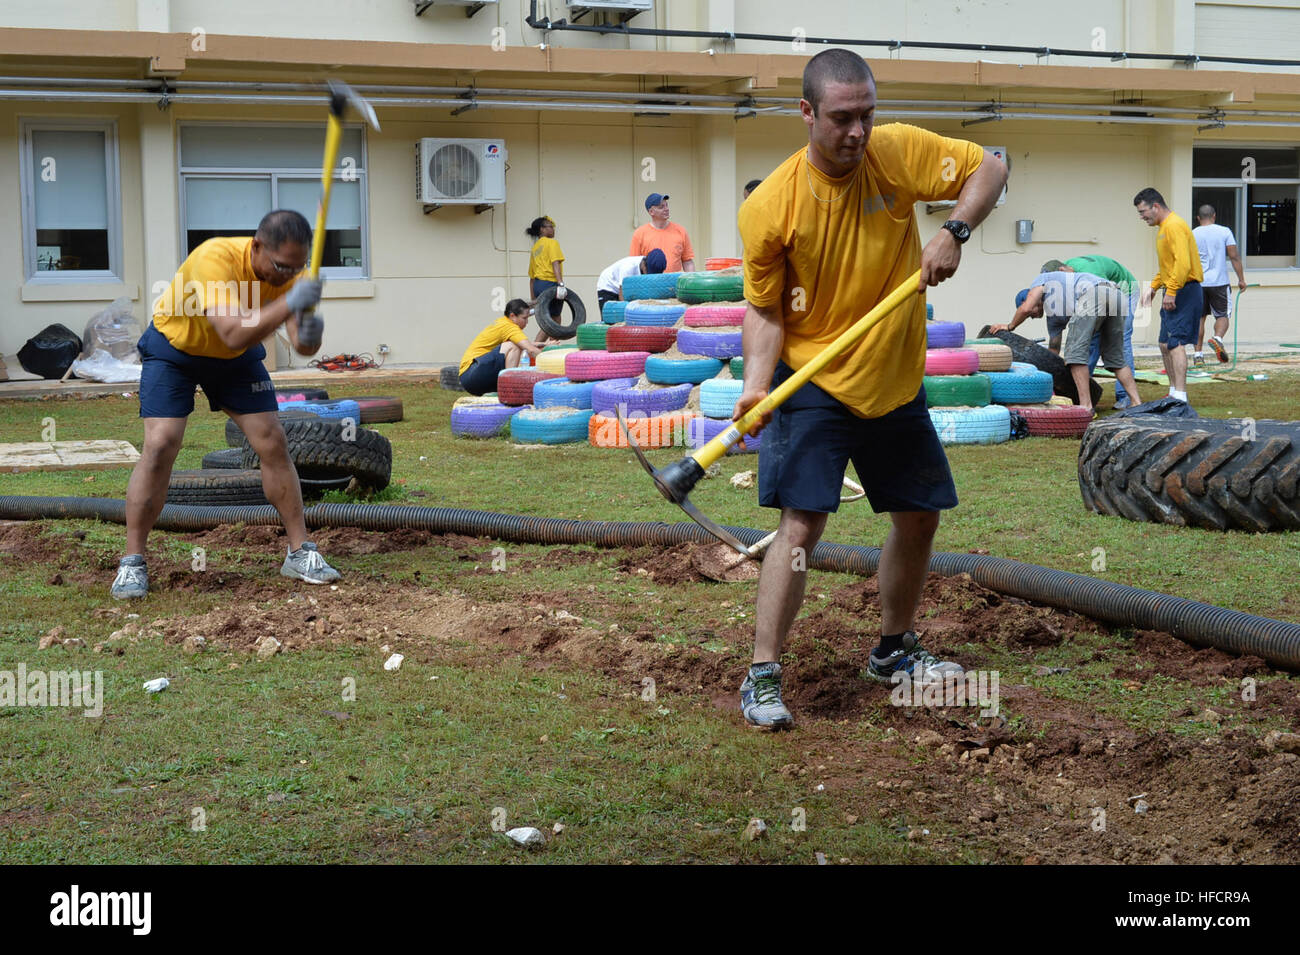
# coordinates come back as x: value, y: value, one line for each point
x: 270, y: 761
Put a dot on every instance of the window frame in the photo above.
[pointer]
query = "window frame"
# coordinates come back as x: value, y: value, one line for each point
x: 274, y: 174
x: 1256, y: 263
x: 27, y: 170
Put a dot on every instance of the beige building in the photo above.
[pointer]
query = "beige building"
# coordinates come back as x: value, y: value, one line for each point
x: 137, y: 128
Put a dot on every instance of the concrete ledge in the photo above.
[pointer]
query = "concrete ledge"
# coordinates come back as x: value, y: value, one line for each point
x: 348, y: 288
x: 78, y: 291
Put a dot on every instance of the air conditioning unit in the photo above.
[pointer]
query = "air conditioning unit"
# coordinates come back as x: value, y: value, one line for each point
x: 637, y: 6
x: 460, y: 172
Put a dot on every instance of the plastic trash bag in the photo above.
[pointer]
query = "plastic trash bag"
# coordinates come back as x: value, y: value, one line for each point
x: 109, y: 353
x: 101, y: 366
x: 115, y: 331
x: 1167, y: 406
x: 50, y: 351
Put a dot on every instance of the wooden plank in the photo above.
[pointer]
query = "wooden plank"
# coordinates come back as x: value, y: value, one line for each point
x: 67, y: 455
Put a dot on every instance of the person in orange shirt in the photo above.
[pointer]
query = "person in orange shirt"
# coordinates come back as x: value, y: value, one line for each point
x: 668, y: 237
x: 828, y: 235
x: 1180, y: 276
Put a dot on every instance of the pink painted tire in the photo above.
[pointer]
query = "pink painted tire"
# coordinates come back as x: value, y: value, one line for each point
x: 598, y: 364
x: 707, y: 316
x: 951, y: 361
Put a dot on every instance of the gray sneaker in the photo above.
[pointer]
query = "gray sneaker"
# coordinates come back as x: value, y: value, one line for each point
x: 307, y: 564
x: 132, y: 578
x: 922, y: 667
x: 760, y: 698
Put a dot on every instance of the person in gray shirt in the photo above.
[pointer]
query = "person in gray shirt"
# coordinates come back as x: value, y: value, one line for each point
x: 1079, y: 305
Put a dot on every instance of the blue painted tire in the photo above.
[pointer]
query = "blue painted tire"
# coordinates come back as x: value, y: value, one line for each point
x: 608, y: 396
x: 663, y: 285
x: 550, y: 426
x: 945, y: 334
x: 611, y: 313
x: 712, y: 343
x: 700, y: 431
x: 929, y: 313
x: 1022, y: 385
x: 673, y: 371
x: 989, y: 425
x: 336, y: 410
x: 656, y: 313
x: 562, y: 393
x: 718, y: 397
x: 483, y: 417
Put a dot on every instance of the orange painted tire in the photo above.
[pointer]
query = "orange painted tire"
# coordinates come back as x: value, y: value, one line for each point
x: 660, y: 431
x: 714, y: 265
x: 648, y: 338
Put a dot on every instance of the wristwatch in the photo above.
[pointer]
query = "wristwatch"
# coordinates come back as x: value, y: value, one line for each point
x: 960, y: 230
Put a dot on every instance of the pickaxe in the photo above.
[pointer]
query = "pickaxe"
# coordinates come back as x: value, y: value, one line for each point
x: 677, y: 480
x: 310, y: 325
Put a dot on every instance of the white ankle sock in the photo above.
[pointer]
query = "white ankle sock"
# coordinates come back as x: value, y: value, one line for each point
x: 1180, y: 395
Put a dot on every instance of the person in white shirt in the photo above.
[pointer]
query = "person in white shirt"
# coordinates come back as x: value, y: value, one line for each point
x: 609, y: 287
x: 1218, y: 247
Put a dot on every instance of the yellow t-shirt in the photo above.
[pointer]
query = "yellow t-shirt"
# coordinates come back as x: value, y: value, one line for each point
x: 219, y: 273
x: 500, y: 331
x: 827, y: 250
x: 1179, y: 258
x: 546, y: 252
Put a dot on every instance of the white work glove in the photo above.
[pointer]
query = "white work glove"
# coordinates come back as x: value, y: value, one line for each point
x: 304, y: 296
x: 561, y: 292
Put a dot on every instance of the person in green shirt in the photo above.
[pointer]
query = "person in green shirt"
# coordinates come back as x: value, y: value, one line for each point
x: 1106, y: 268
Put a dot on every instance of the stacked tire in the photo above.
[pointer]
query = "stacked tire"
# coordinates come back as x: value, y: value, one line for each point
x: 958, y: 393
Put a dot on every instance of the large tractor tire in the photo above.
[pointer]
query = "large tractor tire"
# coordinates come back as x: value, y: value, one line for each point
x: 1234, y: 474
x: 321, y: 449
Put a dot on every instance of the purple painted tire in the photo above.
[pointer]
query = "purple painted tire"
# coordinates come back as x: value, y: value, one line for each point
x: 945, y: 334
x: 608, y: 396
x: 700, y: 431
x: 723, y: 343
x: 476, y: 418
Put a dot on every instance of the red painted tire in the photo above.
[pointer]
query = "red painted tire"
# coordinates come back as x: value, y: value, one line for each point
x: 598, y: 364
x: 1055, y: 421
x: 647, y: 338
x: 515, y: 385
x: 951, y: 361
x: 717, y: 264
x: 706, y: 316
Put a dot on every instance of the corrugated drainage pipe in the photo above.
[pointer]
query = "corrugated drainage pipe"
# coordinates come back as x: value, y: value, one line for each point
x: 1199, y: 624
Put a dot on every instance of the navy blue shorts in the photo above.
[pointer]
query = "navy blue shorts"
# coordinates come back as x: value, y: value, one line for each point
x: 481, y: 375
x: 169, y: 376
x: 1178, y: 324
x: 812, y: 437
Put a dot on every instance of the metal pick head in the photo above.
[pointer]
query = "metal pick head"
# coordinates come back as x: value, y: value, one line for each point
x: 682, y: 500
x: 341, y: 94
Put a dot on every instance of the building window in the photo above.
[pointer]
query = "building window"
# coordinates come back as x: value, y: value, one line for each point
x: 1253, y: 190
x: 71, y: 201
x: 231, y: 176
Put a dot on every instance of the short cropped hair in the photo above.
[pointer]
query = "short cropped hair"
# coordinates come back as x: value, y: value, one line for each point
x: 284, y: 225
x: 1150, y: 197
x: 1052, y: 265
x: 1205, y: 212
x: 833, y: 66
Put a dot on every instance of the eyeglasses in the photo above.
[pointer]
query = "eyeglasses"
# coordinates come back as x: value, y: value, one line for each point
x: 283, y: 269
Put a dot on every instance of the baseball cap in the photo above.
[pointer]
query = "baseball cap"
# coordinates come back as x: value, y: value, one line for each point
x: 653, y: 200
x: 1021, y: 296
x: 655, y: 261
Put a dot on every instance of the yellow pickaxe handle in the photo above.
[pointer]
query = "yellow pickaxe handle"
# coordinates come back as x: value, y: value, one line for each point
x: 333, y: 136
x: 716, y: 448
